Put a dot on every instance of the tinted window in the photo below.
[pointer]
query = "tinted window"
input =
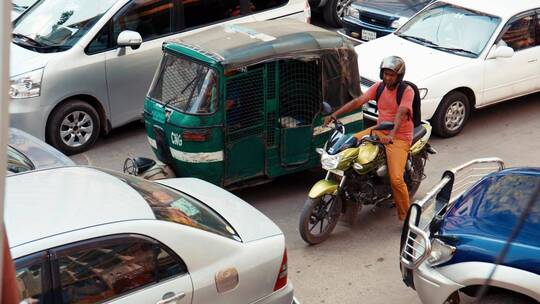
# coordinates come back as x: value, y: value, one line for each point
x: 260, y: 5
x: 17, y: 162
x: 29, y: 282
x: 150, y: 18
x: 106, y: 270
x: 174, y: 206
x: 519, y: 34
x: 101, y: 41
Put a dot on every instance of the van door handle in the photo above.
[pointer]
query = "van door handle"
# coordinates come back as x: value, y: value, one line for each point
x: 170, y: 297
x: 532, y: 60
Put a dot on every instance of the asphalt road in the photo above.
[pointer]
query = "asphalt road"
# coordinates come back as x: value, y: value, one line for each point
x: 359, y: 264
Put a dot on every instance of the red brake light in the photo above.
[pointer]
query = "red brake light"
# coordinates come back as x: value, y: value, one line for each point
x: 282, y: 276
x: 195, y: 135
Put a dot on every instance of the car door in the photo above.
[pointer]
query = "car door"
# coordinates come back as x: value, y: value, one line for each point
x: 120, y: 269
x: 517, y: 75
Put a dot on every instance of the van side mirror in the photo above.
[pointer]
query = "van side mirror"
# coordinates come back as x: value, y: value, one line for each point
x: 501, y: 51
x: 326, y: 109
x: 129, y: 38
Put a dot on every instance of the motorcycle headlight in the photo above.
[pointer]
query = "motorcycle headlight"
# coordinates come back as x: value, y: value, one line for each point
x: 353, y: 12
x: 399, y: 22
x: 330, y: 162
x: 440, y: 252
x: 26, y: 85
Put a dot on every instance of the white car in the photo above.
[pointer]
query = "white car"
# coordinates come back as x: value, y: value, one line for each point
x: 462, y: 55
x: 86, y: 235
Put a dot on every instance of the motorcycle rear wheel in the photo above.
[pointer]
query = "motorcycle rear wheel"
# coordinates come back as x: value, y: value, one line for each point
x: 315, y: 213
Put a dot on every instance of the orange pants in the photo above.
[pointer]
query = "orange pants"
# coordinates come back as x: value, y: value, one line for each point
x: 396, y: 158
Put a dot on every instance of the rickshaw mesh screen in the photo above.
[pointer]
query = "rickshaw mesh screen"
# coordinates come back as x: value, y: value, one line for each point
x: 299, y: 92
x: 245, y: 109
x: 271, y: 80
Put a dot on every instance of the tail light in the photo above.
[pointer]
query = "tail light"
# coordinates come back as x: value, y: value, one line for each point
x: 195, y: 135
x: 307, y: 12
x: 282, y: 276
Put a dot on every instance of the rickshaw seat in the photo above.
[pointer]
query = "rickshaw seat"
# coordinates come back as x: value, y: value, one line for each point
x: 418, y: 133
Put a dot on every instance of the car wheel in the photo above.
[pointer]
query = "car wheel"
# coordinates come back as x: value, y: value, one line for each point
x: 333, y: 12
x: 504, y: 298
x: 73, y: 127
x: 451, y: 115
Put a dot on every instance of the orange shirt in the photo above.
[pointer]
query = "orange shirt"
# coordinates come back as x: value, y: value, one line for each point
x: 388, y: 107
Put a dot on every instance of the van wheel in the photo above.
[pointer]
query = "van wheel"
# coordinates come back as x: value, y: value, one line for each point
x: 334, y: 11
x: 451, y: 115
x: 73, y: 127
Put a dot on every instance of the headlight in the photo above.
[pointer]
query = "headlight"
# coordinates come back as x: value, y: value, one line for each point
x: 399, y: 22
x: 440, y: 252
x: 26, y: 85
x: 353, y: 12
x: 330, y: 162
x: 423, y: 93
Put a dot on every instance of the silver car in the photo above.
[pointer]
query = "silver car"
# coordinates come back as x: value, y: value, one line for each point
x: 84, y: 235
x: 25, y: 153
x: 81, y: 68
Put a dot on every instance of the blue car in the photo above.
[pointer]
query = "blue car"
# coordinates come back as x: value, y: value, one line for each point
x: 453, y: 237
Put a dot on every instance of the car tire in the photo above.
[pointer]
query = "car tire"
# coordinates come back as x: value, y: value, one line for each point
x: 73, y: 127
x: 504, y: 298
x: 451, y: 115
x: 333, y: 12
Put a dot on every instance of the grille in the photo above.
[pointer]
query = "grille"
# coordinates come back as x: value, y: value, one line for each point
x: 270, y: 132
x: 245, y: 96
x: 299, y: 92
x: 271, y: 80
x: 375, y: 19
x: 366, y: 82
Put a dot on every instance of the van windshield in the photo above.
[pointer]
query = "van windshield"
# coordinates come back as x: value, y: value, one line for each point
x: 52, y: 26
x: 186, y: 85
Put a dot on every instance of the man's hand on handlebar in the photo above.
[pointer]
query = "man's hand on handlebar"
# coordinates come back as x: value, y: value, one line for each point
x: 387, y: 139
x: 328, y: 119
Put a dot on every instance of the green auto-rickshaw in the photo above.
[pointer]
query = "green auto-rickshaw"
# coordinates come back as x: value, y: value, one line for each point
x: 241, y: 104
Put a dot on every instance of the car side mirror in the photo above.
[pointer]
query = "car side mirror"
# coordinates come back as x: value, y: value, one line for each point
x: 129, y: 38
x: 327, y: 109
x: 501, y: 51
x: 384, y: 126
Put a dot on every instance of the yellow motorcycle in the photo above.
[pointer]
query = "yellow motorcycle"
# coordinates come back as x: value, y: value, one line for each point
x: 356, y: 176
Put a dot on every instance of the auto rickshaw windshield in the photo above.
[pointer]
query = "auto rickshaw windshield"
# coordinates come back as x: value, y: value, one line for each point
x: 188, y: 86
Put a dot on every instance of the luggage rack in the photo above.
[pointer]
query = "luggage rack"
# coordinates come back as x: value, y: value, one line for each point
x: 415, y: 239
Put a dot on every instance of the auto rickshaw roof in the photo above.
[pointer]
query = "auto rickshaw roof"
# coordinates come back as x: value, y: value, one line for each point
x: 236, y: 45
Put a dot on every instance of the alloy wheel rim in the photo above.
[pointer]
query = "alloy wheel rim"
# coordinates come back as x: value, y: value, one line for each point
x: 455, y: 115
x: 340, y: 8
x: 322, y: 213
x: 76, y: 129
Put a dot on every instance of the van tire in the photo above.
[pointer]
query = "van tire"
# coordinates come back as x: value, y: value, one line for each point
x: 79, y: 121
x: 451, y: 115
x: 330, y: 12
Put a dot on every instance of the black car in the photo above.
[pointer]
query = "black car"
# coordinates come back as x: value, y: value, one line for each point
x: 366, y: 20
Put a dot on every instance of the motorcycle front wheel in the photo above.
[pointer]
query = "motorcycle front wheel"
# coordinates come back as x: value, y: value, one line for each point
x: 319, y: 218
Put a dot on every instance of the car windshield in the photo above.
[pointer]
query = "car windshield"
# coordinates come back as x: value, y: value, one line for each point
x: 17, y: 162
x: 186, y: 85
x: 448, y: 27
x: 57, y: 25
x: 22, y: 4
x: 174, y: 206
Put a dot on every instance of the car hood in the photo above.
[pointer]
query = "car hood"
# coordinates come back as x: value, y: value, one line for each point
x: 398, y: 8
x: 422, y: 62
x: 249, y: 223
x: 23, y: 60
x: 40, y: 153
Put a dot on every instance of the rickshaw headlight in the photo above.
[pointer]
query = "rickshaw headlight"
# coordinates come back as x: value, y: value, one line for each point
x: 440, y: 252
x: 330, y: 162
x: 26, y: 85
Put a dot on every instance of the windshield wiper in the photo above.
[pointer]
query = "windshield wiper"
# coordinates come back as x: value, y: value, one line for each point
x: 28, y: 39
x: 443, y: 48
x: 419, y: 39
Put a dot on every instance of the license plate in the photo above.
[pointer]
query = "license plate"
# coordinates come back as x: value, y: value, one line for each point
x: 368, y: 35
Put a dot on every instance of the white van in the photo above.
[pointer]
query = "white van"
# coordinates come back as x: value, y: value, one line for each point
x: 80, y: 68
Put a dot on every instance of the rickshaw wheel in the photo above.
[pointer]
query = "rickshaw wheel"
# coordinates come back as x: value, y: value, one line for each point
x: 317, y: 212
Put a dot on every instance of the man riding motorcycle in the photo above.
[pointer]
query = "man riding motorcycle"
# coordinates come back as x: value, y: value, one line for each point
x: 398, y: 140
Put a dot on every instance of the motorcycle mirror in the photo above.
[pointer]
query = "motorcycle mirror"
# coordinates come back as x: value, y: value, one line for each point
x: 138, y: 165
x: 327, y: 109
x: 384, y: 126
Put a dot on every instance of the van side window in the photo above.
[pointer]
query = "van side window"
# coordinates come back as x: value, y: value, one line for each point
x: 201, y: 12
x: 519, y: 34
x: 100, y: 42
x: 151, y: 19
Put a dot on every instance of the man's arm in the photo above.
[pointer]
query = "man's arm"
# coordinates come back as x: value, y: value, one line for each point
x: 348, y: 107
x: 402, y: 112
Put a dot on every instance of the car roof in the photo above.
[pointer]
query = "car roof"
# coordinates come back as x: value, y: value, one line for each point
x: 43, y: 203
x: 236, y: 45
x: 501, y: 8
